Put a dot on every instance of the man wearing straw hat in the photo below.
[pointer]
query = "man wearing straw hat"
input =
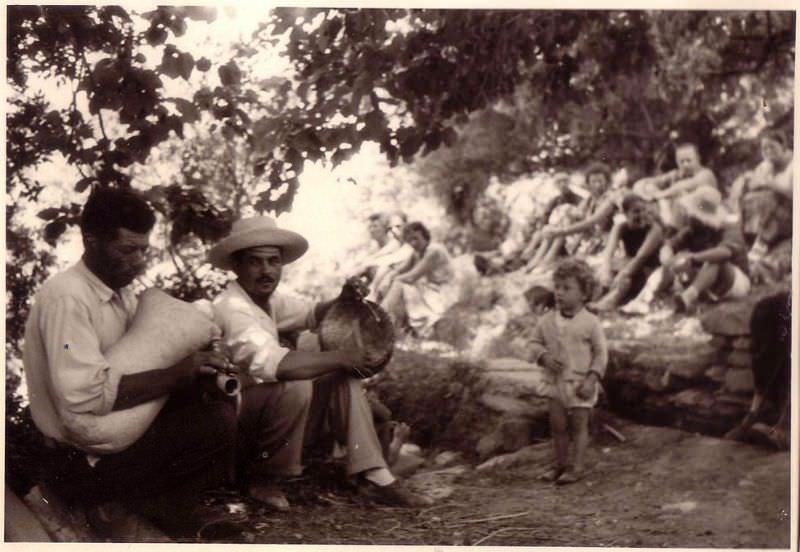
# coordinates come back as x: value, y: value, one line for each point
x: 289, y: 396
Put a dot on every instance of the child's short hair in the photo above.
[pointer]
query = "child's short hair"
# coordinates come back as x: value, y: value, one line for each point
x: 540, y: 296
x: 581, y: 271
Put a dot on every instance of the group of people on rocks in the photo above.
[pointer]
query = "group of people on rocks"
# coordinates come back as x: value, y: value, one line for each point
x: 682, y: 239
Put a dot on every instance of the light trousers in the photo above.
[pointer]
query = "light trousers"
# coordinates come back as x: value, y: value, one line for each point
x: 278, y: 420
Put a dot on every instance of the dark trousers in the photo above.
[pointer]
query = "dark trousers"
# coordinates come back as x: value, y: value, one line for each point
x: 189, y: 448
x: 770, y: 332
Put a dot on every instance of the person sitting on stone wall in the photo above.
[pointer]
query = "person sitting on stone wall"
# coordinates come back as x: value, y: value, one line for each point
x: 420, y: 291
x: 667, y: 187
x: 641, y: 234
x: 385, y: 245
x: 596, y: 211
x: 767, y: 227
x: 561, y: 209
x: 391, y: 261
x: 775, y: 172
x: 706, y: 258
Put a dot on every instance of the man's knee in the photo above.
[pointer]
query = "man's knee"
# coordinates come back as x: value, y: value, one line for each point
x: 297, y: 394
x: 219, y: 423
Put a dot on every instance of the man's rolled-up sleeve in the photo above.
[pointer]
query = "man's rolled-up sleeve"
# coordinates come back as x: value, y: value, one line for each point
x: 251, y: 346
x: 294, y: 313
x: 81, y: 378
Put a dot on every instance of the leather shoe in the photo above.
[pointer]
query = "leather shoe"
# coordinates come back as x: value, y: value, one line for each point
x: 269, y: 494
x: 395, y: 494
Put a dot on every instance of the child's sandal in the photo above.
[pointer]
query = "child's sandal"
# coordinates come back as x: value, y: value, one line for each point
x: 552, y: 474
x: 569, y: 476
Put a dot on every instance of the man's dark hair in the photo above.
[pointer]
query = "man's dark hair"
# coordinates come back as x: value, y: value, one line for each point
x: 775, y: 135
x: 416, y: 227
x: 630, y: 200
x: 109, y: 209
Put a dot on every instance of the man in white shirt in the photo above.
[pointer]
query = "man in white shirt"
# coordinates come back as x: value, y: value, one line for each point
x: 288, y: 396
x: 77, y: 315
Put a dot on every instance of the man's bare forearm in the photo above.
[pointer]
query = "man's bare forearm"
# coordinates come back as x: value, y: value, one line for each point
x: 302, y: 365
x: 135, y: 389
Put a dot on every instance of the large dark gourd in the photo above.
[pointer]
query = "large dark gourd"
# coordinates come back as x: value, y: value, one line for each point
x: 353, y: 322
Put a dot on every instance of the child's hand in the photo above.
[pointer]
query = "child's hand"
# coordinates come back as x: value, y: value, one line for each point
x: 586, y: 389
x: 550, y: 362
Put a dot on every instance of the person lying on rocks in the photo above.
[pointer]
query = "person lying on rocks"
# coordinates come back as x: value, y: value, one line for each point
x: 385, y: 245
x: 689, y: 175
x: 770, y: 334
x: 569, y: 343
x: 775, y: 172
x: 596, y: 212
x: 422, y: 290
x: 707, y: 257
x: 291, y: 399
x: 186, y: 449
x: 641, y: 234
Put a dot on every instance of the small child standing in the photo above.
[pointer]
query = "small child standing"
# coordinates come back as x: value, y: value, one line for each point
x: 569, y: 343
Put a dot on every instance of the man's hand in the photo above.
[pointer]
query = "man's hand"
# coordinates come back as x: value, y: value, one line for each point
x: 587, y: 387
x: 550, y: 362
x: 200, y: 363
x: 358, y: 285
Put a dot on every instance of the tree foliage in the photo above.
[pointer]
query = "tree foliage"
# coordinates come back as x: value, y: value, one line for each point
x: 492, y: 93
x: 585, y: 84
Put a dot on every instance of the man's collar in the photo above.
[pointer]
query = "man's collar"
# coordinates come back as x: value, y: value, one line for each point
x: 104, y: 292
x: 239, y: 290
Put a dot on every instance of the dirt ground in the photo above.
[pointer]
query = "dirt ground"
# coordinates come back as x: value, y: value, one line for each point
x: 661, y: 487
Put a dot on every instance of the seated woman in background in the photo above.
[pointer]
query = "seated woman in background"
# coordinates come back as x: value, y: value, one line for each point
x: 596, y: 210
x: 773, y: 173
x: 495, y: 263
x: 556, y: 211
x: 766, y: 218
x: 394, y: 259
x: 419, y: 292
x: 641, y: 235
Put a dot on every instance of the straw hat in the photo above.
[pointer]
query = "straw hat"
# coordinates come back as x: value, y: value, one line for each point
x: 705, y: 205
x: 254, y: 232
